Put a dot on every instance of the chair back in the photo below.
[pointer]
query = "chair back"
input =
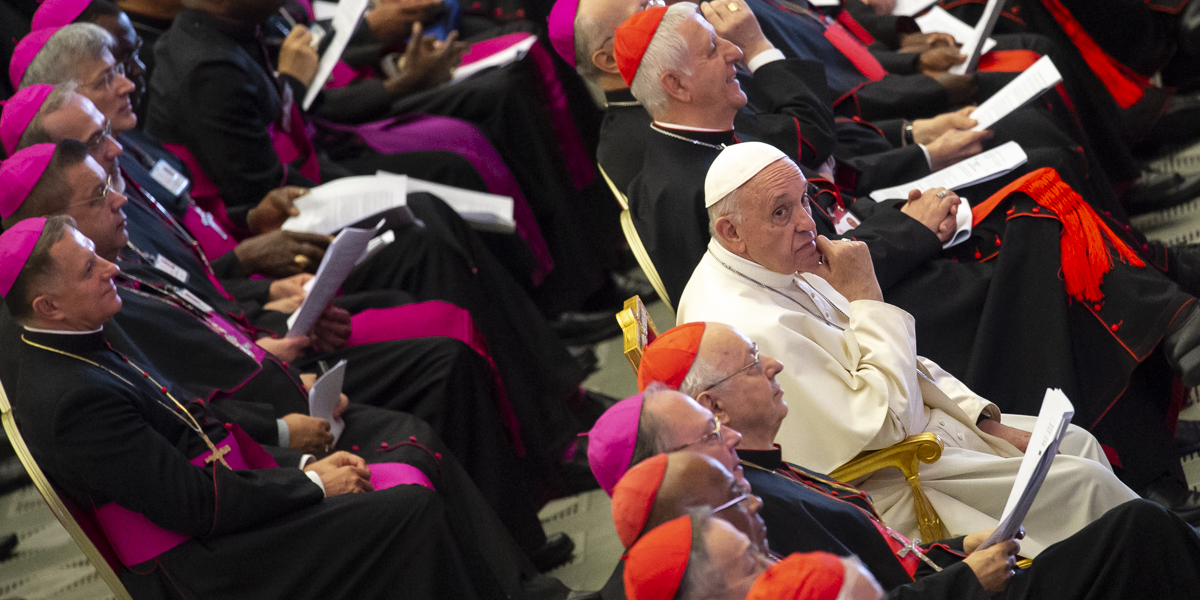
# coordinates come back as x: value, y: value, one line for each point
x: 637, y: 330
x: 79, y: 524
x: 635, y: 242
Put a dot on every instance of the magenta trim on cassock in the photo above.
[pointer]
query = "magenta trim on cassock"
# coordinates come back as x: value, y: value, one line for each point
x: 611, y: 441
x: 19, y: 112
x: 386, y: 475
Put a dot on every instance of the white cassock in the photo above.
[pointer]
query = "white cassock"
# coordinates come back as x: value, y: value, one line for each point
x: 853, y: 381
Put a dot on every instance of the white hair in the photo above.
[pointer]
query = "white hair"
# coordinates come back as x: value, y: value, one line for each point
x: 668, y: 51
x: 729, y: 206
x: 590, y: 35
x: 701, y: 579
x: 700, y: 377
x: 58, y: 60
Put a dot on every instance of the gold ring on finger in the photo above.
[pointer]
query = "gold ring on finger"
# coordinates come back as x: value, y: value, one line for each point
x: 301, y: 260
x: 942, y: 194
x: 732, y: 6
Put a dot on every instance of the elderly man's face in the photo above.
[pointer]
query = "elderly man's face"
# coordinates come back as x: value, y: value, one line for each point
x: 82, y: 289
x: 739, y: 561
x: 751, y: 397
x: 712, y: 61
x: 96, y: 208
x: 692, y: 427
x: 80, y: 120
x: 777, y: 226
x: 129, y: 44
x: 743, y: 514
x: 103, y: 82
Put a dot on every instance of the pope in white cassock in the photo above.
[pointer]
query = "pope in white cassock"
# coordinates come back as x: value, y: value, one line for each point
x: 852, y: 376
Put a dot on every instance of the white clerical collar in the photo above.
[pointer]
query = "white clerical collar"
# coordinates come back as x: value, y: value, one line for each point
x: 686, y: 128
x: 63, y: 331
x: 780, y: 281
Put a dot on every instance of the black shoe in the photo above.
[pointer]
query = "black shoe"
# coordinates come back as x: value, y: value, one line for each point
x: 628, y: 287
x: 1177, y: 497
x: 585, y: 357
x: 1159, y: 191
x: 1178, y: 124
x: 558, y: 549
x: 576, y: 328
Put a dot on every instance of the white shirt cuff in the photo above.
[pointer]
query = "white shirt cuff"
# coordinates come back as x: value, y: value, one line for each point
x: 284, y: 433
x: 317, y: 480
x: 764, y: 57
x: 928, y: 160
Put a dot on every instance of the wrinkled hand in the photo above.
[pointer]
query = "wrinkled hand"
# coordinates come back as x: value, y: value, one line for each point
x: 275, y: 208
x: 920, y: 42
x: 331, y: 331
x: 994, y: 566
x: 927, y: 130
x: 959, y: 88
x: 955, y: 145
x: 427, y: 62
x: 308, y: 434
x: 847, y: 267
x: 739, y: 26
x: 1016, y: 437
x: 290, y: 287
x: 939, y: 59
x: 938, y: 214
x: 273, y: 254
x: 342, y: 473
x: 285, y: 349
x: 391, y: 20
x: 297, y: 57
x: 971, y: 542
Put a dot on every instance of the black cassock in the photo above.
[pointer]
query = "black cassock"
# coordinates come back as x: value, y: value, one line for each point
x: 1003, y: 322
x: 1136, y: 550
x: 444, y: 260
x: 103, y: 438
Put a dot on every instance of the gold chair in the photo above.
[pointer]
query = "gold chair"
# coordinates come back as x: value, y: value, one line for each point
x: 65, y: 512
x: 638, y: 329
x: 635, y: 242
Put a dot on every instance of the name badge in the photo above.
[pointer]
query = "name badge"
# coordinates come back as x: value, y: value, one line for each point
x: 168, y: 177
x: 166, y: 266
x: 843, y: 220
x: 193, y: 299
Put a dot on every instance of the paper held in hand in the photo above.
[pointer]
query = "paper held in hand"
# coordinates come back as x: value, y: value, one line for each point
x: 508, y: 55
x: 1030, y: 84
x: 330, y: 207
x: 345, y: 21
x: 1052, y: 422
x: 485, y: 212
x: 324, y: 396
x: 341, y: 256
x: 973, y: 47
x: 977, y: 169
x: 937, y: 20
x: 911, y: 8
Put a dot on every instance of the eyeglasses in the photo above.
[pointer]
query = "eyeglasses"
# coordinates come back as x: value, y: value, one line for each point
x: 109, y: 77
x: 714, y: 435
x: 754, y: 363
x: 97, y: 139
x: 731, y: 503
x: 98, y: 200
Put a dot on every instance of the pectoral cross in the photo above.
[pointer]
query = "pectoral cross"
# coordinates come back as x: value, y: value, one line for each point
x: 911, y: 546
x: 218, y: 454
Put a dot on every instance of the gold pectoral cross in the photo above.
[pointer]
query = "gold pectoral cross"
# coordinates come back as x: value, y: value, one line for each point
x: 218, y: 454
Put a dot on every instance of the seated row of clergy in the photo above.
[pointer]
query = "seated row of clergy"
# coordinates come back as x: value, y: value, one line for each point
x: 662, y: 453
x: 443, y: 261
x: 986, y: 308
x: 190, y: 502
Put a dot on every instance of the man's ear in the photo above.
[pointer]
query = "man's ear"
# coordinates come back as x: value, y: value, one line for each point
x: 729, y: 235
x: 46, y: 310
x: 714, y: 403
x: 605, y: 61
x: 674, y: 87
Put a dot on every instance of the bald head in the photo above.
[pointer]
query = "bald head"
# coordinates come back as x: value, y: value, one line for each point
x: 682, y: 424
x: 692, y: 480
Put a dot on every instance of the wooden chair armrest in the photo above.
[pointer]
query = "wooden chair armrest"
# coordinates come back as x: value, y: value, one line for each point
x: 906, y: 456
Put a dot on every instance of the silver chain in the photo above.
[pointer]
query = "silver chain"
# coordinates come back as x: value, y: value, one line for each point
x: 767, y: 287
x: 686, y: 139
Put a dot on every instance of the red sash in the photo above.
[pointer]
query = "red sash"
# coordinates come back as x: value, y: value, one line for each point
x: 852, y: 48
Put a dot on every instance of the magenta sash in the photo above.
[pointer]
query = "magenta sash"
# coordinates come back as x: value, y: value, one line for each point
x: 435, y: 319
x: 136, y: 539
x: 427, y: 132
x: 853, y: 49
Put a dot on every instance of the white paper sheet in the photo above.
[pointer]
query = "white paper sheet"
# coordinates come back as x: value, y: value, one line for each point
x: 973, y: 47
x: 937, y: 20
x: 324, y: 396
x: 324, y: 11
x: 329, y: 207
x: 345, y: 21
x: 340, y: 258
x: 1030, y: 84
x: 508, y: 55
x: 1052, y: 422
x: 376, y: 244
x: 911, y: 8
x: 977, y: 169
x: 963, y: 228
x: 487, y: 212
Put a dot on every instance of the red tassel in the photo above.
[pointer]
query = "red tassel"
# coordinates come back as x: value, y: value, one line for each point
x: 1123, y: 83
x: 1085, y: 255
